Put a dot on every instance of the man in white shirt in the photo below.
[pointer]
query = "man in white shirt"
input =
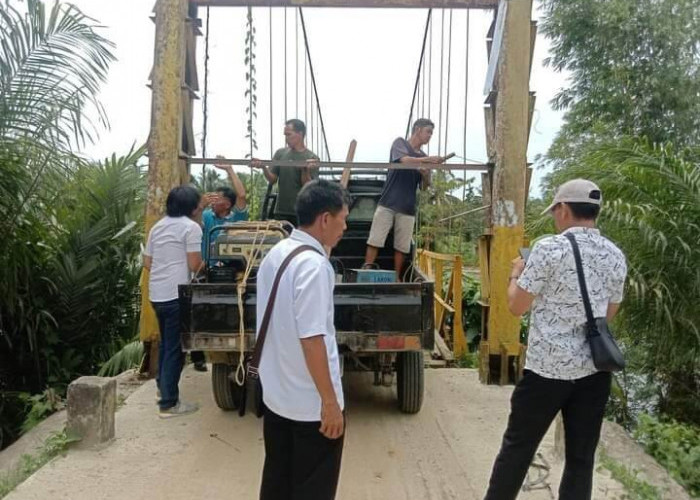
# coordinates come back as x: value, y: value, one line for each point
x: 173, y: 251
x: 299, y: 368
x: 559, y: 370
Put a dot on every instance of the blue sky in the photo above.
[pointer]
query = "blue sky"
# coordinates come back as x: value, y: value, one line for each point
x: 365, y: 63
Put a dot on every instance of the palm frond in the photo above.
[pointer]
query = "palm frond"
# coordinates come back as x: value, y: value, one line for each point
x: 51, y: 67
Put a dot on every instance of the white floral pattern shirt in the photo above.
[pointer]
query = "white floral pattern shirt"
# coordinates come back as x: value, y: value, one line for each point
x: 557, y: 345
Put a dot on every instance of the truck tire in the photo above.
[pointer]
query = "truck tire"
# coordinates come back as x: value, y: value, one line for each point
x: 409, y: 381
x: 227, y: 393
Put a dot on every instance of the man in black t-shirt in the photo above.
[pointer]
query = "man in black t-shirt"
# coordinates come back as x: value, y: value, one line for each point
x: 397, y: 205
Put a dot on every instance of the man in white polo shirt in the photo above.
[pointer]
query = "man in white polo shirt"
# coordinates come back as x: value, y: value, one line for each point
x: 300, y: 368
x: 559, y: 370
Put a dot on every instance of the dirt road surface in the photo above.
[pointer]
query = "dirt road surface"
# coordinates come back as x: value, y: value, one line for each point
x: 443, y: 453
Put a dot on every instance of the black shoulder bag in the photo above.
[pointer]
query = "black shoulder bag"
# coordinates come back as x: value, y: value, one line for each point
x: 607, y: 356
x: 253, y: 387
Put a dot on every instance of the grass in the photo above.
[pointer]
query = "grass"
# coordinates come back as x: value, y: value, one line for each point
x: 56, y: 444
x: 635, y: 488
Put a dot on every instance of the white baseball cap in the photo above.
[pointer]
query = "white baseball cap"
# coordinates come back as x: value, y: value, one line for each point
x: 576, y: 191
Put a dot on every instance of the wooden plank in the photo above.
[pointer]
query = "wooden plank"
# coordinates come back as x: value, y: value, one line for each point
x: 490, y: 124
x: 444, y: 304
x: 445, y: 351
x: 531, y: 112
x: 495, y: 48
x: 363, y: 4
x: 483, y: 251
x: 345, y: 178
x: 459, y: 339
x: 533, y: 39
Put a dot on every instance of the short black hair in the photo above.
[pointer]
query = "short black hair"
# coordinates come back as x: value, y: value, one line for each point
x: 584, y: 211
x: 421, y: 123
x: 182, y: 201
x: 227, y: 192
x: 318, y: 197
x: 298, y: 126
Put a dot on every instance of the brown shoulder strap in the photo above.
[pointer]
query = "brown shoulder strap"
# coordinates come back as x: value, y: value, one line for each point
x: 257, y: 352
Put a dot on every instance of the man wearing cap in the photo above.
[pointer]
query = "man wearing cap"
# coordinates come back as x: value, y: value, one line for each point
x: 559, y: 372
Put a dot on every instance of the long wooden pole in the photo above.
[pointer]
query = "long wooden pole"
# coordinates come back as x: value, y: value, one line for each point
x: 164, y: 144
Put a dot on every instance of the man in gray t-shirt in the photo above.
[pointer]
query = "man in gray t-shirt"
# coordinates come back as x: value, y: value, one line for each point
x: 397, y: 205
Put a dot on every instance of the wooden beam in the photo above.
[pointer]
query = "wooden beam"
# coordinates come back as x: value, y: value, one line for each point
x: 165, y: 139
x: 509, y: 176
x: 364, y: 4
x: 345, y: 179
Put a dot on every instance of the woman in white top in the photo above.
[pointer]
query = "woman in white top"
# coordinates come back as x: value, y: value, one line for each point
x: 172, y: 252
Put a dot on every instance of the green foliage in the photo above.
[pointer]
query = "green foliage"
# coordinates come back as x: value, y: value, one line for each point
x: 652, y: 212
x: 634, y: 69
x: 448, y: 196
x: 60, y: 245
x: 55, y: 445
x: 40, y: 406
x: 635, y: 488
x: 471, y: 311
x: 126, y: 358
x: 675, y: 446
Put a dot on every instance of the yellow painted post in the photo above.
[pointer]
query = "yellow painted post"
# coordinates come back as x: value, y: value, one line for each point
x: 460, y: 340
x: 508, y: 189
x: 438, y: 290
x: 164, y: 142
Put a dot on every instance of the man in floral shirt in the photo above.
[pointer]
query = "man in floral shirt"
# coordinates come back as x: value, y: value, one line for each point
x: 559, y: 371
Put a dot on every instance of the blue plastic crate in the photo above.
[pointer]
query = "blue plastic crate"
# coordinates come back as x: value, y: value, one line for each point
x: 374, y: 276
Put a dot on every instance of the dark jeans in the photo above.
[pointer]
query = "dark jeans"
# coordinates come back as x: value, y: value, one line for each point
x: 300, y: 462
x: 534, y: 404
x: 170, y: 352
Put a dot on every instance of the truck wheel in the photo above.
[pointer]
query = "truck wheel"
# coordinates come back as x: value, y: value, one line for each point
x: 227, y: 393
x: 409, y: 381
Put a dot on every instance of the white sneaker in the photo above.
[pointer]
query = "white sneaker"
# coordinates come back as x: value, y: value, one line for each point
x: 181, y: 408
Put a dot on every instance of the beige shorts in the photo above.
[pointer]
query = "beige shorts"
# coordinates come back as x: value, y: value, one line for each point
x: 384, y: 219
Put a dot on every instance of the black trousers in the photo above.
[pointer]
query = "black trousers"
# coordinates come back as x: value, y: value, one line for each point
x: 300, y: 462
x: 534, y: 404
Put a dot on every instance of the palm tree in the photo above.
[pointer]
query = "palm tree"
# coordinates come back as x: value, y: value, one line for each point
x: 652, y: 211
x: 52, y: 62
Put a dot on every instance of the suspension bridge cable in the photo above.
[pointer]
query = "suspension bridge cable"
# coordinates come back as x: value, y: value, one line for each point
x: 296, y: 48
x: 313, y: 82
x: 271, y: 91
x: 205, y: 102
x: 466, y: 96
x: 442, y: 83
x: 420, y: 66
x: 449, y: 74
x: 286, y: 114
x: 430, y: 76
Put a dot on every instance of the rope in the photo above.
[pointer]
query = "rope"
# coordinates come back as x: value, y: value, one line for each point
x: 239, y: 376
x: 313, y: 82
x: 420, y: 66
x: 205, y: 103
